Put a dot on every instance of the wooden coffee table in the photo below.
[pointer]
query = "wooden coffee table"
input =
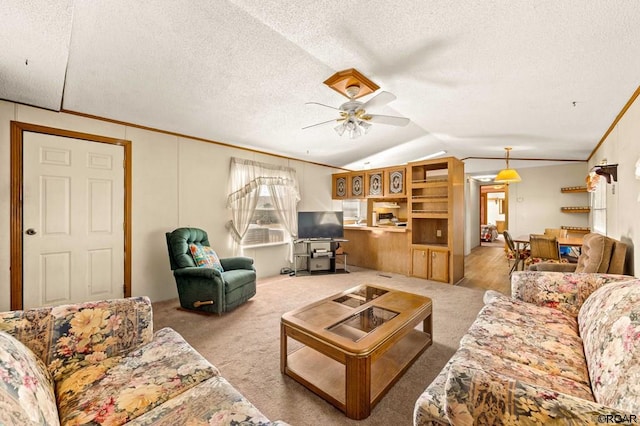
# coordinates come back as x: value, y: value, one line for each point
x: 353, y: 346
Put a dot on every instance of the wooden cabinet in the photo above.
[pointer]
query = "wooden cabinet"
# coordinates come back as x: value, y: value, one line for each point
x: 430, y: 263
x: 380, y: 184
x: 340, y: 182
x: 356, y: 185
x: 436, y: 219
x: 419, y: 263
x: 395, y: 182
x: 374, y: 183
x: 438, y: 265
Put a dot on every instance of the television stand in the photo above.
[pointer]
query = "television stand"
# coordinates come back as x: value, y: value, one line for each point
x: 320, y: 256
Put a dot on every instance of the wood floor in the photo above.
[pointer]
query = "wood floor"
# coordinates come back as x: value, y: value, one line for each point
x: 486, y: 267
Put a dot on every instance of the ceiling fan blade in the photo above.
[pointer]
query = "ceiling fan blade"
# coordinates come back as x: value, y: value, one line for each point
x: 318, y: 103
x: 387, y: 119
x: 379, y: 100
x: 335, y: 120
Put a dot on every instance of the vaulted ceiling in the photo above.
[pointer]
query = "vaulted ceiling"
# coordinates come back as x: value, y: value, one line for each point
x: 545, y: 77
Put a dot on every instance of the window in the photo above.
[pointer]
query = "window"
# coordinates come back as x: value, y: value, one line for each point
x: 262, y: 199
x: 264, y: 226
x: 599, y: 207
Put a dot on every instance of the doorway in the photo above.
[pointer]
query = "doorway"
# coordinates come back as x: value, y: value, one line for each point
x: 108, y: 188
x: 494, y: 213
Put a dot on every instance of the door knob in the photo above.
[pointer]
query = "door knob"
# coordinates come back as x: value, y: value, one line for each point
x: 31, y: 231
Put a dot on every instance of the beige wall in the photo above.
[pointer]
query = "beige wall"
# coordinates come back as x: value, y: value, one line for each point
x: 622, y: 147
x: 176, y: 182
x: 534, y: 203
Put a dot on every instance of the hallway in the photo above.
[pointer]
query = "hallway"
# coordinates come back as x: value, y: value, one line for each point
x: 486, y: 267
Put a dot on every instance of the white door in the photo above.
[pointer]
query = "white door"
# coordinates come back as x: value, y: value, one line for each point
x: 73, y: 216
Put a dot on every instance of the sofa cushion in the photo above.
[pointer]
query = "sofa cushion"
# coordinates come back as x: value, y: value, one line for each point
x: 213, y: 402
x: 26, y: 387
x: 476, y: 358
x: 205, y: 257
x: 479, y: 397
x: 119, y: 389
x: 563, y: 291
x: 609, y: 323
x: 528, y: 315
x: 529, y: 340
x: 87, y: 333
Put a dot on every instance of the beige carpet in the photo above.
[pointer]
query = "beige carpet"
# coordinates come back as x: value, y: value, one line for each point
x: 245, y: 344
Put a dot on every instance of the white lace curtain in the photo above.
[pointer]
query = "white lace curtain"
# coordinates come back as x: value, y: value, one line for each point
x: 246, y: 178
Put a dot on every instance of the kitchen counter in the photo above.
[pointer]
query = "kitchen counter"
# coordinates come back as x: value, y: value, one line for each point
x: 384, y: 228
x: 383, y: 248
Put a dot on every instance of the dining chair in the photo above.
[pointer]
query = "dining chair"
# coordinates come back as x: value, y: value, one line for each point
x: 556, y: 232
x: 514, y: 253
x: 565, y: 252
x: 544, y: 248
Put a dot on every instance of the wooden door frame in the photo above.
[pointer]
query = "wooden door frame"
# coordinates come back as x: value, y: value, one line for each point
x: 484, y: 200
x: 17, y: 181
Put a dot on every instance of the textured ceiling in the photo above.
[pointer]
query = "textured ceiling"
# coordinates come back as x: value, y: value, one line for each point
x: 473, y: 77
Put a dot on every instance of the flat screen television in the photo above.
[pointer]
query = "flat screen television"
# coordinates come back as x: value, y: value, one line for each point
x: 320, y: 225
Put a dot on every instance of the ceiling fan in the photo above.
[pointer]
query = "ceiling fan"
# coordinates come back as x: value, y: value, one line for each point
x: 354, y: 118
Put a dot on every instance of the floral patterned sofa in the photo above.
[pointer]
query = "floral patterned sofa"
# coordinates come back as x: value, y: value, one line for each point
x: 101, y: 363
x: 564, y: 350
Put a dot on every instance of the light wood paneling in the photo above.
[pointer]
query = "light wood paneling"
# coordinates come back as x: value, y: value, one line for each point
x: 378, y: 249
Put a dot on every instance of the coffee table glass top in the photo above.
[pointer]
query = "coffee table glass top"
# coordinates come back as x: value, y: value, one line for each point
x: 362, y: 323
x: 361, y: 296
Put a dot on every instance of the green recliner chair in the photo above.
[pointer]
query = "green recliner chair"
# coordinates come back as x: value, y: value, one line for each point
x: 206, y: 289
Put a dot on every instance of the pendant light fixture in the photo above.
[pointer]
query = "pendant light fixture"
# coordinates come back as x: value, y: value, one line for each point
x: 507, y: 175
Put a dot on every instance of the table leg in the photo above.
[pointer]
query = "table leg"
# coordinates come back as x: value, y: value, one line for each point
x: 283, y: 348
x: 358, y: 387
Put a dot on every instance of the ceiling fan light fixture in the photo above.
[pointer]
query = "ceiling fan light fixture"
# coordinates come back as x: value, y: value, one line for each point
x: 508, y: 175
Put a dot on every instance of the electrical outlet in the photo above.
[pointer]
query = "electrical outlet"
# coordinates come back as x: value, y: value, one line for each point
x: 439, y: 233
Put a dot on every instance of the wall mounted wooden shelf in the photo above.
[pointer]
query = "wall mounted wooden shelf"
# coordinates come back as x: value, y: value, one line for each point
x: 577, y: 229
x: 585, y: 209
x: 573, y: 189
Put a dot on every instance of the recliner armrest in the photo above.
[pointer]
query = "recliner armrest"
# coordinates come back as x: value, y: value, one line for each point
x: 238, y: 262
x: 197, y: 272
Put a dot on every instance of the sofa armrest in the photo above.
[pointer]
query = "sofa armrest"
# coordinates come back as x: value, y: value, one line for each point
x: 32, y: 327
x: 238, y: 262
x: 479, y: 397
x: 564, y: 291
